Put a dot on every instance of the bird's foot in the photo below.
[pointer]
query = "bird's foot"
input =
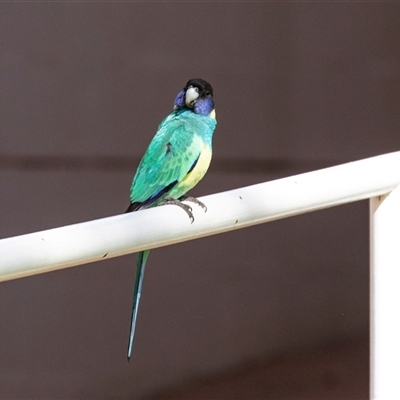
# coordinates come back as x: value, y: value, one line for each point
x: 185, y: 207
x: 195, y: 201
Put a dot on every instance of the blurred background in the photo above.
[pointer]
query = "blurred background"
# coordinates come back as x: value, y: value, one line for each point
x: 276, y: 311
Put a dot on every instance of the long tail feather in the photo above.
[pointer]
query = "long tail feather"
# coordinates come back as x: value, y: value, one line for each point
x: 141, y: 264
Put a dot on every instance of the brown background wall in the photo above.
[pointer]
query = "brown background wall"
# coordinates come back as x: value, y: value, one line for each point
x: 83, y: 87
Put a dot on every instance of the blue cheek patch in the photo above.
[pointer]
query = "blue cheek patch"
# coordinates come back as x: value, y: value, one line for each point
x: 180, y: 99
x: 204, y: 106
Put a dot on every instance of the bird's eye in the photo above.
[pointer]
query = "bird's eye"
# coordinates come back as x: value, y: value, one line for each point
x: 208, y: 93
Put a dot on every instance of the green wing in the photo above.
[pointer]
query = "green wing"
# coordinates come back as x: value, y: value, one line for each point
x: 172, y: 153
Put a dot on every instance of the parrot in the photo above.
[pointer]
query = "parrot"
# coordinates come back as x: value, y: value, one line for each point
x: 175, y: 161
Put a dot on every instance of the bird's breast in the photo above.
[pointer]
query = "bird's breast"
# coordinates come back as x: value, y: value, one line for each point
x: 201, y: 167
x: 195, y: 175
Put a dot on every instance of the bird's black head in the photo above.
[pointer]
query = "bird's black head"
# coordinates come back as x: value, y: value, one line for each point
x: 197, y: 96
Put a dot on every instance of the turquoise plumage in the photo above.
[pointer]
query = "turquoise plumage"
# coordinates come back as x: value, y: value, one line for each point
x: 175, y: 161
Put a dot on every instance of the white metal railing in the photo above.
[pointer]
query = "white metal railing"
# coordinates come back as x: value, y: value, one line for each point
x: 375, y: 178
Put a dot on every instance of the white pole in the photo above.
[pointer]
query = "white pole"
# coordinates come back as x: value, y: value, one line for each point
x: 385, y: 296
x: 86, y: 242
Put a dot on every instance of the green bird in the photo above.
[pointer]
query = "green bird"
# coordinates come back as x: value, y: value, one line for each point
x: 175, y: 161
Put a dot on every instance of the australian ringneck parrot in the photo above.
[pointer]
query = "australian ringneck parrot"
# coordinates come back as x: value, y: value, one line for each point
x: 175, y: 161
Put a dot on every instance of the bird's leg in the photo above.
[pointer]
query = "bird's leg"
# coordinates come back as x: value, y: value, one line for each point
x: 185, y: 207
x: 195, y: 201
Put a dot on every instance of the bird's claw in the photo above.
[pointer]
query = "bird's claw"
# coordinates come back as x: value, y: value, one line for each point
x: 195, y: 201
x: 185, y: 207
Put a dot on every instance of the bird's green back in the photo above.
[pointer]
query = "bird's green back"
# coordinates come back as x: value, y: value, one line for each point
x: 173, y: 154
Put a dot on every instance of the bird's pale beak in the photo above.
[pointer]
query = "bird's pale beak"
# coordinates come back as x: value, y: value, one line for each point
x: 191, y: 96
